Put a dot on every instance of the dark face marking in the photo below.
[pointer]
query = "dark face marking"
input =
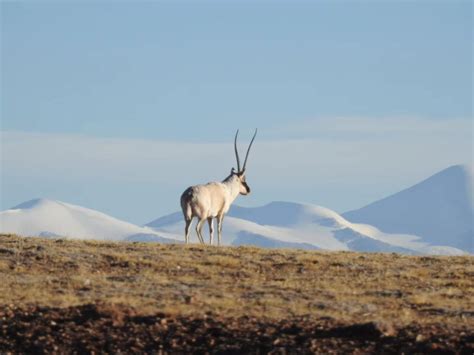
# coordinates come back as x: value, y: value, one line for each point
x: 247, y: 188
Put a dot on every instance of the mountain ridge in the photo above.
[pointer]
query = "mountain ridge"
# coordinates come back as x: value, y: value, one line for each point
x: 53, y: 218
x: 311, y: 227
x: 437, y: 206
x: 283, y: 223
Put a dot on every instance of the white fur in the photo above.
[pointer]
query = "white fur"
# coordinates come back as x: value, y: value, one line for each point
x: 213, y: 199
x: 210, y: 201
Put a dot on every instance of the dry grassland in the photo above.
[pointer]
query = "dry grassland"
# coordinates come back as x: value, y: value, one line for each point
x: 396, y: 293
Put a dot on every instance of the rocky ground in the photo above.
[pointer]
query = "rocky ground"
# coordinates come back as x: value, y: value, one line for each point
x: 114, y: 329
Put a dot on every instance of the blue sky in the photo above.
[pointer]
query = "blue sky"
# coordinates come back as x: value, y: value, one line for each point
x: 120, y: 106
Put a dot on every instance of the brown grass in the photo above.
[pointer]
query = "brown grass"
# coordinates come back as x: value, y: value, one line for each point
x: 235, y: 281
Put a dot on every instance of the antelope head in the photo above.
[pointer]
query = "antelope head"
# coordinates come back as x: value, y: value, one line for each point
x: 244, y: 188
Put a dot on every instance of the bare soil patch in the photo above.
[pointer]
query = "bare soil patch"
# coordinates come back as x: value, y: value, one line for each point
x: 117, y: 329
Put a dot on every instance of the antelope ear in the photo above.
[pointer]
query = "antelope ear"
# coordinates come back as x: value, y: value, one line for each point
x: 232, y: 171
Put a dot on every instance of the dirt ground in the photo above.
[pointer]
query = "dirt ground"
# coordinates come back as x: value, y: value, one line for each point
x: 114, y: 329
x: 65, y: 296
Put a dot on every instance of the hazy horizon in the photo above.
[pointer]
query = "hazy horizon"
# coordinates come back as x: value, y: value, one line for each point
x: 119, y: 107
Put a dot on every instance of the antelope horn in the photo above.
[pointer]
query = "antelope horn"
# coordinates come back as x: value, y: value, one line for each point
x: 248, y: 150
x: 236, y: 152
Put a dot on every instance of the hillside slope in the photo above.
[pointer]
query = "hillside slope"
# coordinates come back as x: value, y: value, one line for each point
x: 51, y: 218
x: 438, y: 209
x: 58, y: 295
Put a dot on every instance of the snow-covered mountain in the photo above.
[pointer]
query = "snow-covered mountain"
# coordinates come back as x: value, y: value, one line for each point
x: 48, y: 218
x: 286, y: 224
x: 433, y: 217
x: 439, y: 209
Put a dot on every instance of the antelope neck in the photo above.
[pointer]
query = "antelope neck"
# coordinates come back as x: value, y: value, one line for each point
x: 233, y: 185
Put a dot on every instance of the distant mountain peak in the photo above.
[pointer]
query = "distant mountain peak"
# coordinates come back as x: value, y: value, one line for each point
x: 36, y: 202
x: 454, y: 172
x: 434, y: 216
x: 52, y: 218
x: 439, y: 209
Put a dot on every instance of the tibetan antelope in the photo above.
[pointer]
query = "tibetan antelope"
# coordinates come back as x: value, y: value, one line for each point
x: 213, y: 199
